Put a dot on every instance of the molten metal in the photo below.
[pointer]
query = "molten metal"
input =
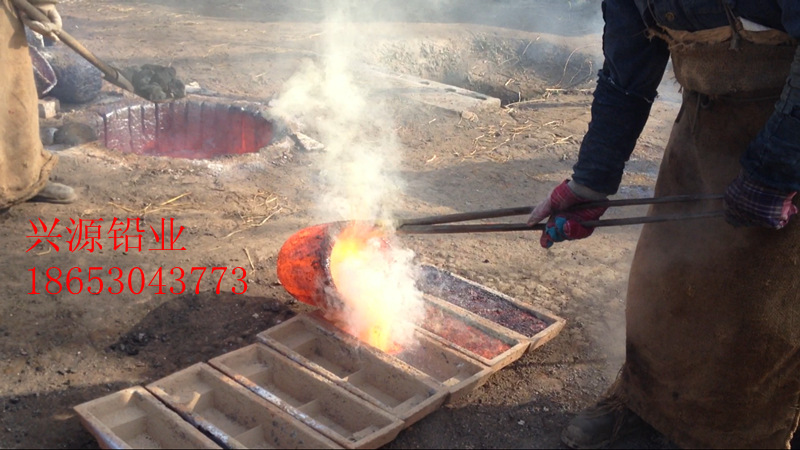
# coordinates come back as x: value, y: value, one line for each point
x: 340, y: 268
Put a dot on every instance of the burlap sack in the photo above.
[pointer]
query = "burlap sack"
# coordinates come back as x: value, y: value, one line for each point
x: 24, y: 164
x: 713, y: 312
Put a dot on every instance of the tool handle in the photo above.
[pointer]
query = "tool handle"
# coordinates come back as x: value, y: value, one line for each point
x: 112, y: 75
x: 498, y: 227
x: 495, y: 213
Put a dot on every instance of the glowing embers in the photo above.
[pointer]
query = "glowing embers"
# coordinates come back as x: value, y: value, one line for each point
x: 184, y: 129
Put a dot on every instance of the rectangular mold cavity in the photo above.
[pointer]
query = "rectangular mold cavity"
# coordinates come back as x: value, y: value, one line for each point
x: 232, y: 415
x: 472, y: 335
x: 133, y: 418
x: 363, y: 370
x: 458, y: 372
x: 309, y: 397
x: 538, y: 327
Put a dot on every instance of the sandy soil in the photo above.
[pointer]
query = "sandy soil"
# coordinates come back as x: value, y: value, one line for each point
x: 60, y: 350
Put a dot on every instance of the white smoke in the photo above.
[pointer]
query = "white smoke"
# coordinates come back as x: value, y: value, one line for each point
x: 357, y: 170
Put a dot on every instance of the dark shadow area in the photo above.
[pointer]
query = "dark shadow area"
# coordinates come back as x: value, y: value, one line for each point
x: 520, y: 426
x: 536, y: 422
x: 23, y: 415
x: 180, y: 332
x: 195, y: 328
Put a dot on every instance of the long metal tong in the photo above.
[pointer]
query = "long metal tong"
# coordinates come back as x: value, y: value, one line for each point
x: 439, y: 224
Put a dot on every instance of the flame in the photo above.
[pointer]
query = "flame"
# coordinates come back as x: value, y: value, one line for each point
x: 362, y: 268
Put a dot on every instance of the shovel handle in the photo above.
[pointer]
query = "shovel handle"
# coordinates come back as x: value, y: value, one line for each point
x: 112, y: 75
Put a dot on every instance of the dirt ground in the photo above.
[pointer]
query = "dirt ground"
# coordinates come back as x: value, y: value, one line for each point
x: 539, y: 57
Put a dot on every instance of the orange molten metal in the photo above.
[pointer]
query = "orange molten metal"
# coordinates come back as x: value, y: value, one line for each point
x: 325, y: 266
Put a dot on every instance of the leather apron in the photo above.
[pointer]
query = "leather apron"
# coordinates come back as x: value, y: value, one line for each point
x: 24, y: 164
x: 713, y: 311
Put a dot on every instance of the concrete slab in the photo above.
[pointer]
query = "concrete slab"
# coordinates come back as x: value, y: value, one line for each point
x: 363, y: 370
x: 231, y: 414
x: 345, y: 418
x: 133, y: 418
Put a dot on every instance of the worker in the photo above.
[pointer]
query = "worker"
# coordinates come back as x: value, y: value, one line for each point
x: 713, y: 306
x: 25, y: 166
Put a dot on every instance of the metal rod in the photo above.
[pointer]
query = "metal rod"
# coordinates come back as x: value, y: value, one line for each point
x: 463, y: 217
x: 506, y: 212
x: 498, y: 227
x: 648, y: 201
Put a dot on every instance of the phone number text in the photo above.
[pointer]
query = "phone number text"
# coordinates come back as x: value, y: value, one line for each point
x: 135, y: 280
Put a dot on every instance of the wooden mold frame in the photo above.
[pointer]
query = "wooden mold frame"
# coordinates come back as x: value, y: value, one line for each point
x: 514, y: 344
x: 554, y: 324
x: 316, y: 401
x: 233, y: 416
x: 133, y: 418
x: 457, y: 372
x: 359, y: 368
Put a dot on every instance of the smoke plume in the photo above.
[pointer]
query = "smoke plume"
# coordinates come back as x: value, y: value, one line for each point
x: 357, y: 174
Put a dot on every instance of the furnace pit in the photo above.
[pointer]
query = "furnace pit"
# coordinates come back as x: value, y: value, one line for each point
x: 192, y: 129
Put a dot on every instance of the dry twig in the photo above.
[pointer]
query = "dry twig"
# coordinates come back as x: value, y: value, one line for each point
x: 249, y: 259
x: 163, y: 206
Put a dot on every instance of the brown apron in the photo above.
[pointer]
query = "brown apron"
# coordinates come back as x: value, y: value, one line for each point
x: 24, y: 164
x: 713, y: 311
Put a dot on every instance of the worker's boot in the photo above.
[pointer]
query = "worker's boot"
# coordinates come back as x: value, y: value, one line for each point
x: 55, y: 193
x: 601, y: 424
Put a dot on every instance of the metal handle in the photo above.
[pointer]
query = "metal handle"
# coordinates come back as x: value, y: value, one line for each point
x: 516, y: 211
x: 438, y: 224
x: 498, y: 227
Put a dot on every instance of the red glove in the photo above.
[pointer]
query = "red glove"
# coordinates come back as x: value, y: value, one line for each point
x: 750, y: 203
x: 564, y: 226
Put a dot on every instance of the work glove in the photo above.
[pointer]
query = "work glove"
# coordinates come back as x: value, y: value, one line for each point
x: 48, y: 8
x: 566, y: 225
x: 750, y: 203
